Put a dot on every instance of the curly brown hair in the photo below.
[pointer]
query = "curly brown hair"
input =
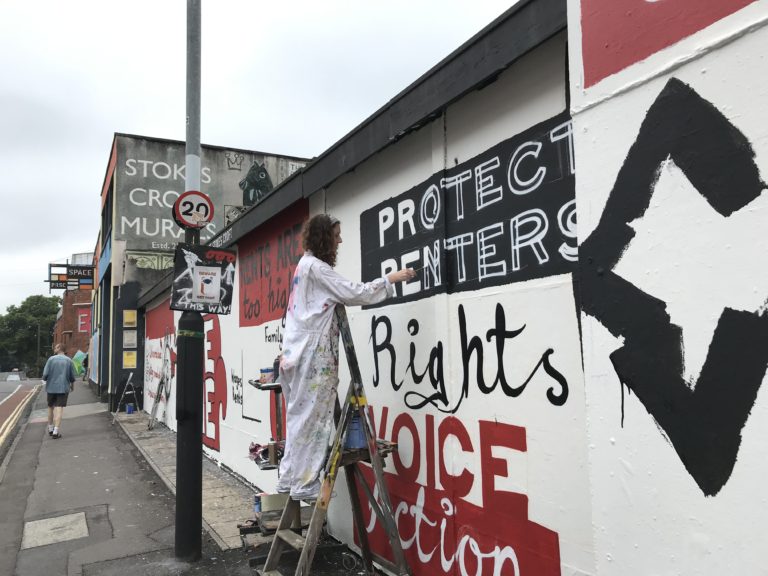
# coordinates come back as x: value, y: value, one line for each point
x: 318, y: 237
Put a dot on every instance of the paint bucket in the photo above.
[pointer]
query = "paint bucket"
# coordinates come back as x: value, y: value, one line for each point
x: 257, y: 502
x: 273, y: 501
x: 355, y: 434
x: 267, y: 375
x: 129, y: 409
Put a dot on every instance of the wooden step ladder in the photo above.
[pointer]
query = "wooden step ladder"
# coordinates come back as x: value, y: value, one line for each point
x: 354, y: 405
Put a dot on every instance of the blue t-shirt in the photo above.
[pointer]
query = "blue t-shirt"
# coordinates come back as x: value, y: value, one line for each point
x: 58, y: 374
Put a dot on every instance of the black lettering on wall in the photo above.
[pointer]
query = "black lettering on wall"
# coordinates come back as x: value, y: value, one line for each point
x: 704, y: 423
x: 434, y: 391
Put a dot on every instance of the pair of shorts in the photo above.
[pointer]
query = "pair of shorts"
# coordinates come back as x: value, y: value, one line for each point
x: 57, y: 400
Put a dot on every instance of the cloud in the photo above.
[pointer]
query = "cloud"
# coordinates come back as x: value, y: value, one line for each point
x: 288, y: 78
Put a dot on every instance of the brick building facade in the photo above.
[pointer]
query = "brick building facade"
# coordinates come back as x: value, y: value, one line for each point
x: 73, y: 324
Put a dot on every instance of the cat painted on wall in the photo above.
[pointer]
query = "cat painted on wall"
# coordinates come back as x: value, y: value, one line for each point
x: 256, y: 184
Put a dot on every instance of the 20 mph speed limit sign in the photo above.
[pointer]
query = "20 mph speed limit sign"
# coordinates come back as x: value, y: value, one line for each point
x: 193, y: 209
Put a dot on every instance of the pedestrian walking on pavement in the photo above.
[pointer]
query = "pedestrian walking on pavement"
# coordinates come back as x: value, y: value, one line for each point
x: 59, y: 377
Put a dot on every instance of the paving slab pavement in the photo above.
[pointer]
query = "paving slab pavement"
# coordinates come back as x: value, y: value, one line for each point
x: 104, y: 492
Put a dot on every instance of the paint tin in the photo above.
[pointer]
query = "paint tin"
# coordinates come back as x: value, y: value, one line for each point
x: 257, y: 502
x: 129, y: 409
x: 267, y: 375
x: 272, y: 453
x: 355, y: 434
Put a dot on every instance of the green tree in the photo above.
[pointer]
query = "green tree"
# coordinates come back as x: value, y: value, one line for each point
x: 26, y: 334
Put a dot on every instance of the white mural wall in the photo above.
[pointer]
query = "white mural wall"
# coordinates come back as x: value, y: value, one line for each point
x: 565, y: 400
x: 475, y: 368
x: 671, y: 142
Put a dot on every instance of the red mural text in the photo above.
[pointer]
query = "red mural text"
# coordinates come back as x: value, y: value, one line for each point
x: 441, y: 531
x: 268, y: 257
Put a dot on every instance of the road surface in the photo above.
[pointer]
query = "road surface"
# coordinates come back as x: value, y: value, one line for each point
x: 14, y: 398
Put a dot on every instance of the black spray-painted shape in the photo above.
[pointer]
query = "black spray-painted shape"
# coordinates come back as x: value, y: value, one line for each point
x: 704, y: 423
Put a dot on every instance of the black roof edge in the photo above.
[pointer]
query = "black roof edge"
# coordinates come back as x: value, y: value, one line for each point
x: 476, y: 63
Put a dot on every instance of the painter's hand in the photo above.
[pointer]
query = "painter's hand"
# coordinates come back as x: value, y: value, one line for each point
x: 403, y: 275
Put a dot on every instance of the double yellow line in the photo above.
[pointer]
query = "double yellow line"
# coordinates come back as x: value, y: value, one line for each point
x: 10, y: 423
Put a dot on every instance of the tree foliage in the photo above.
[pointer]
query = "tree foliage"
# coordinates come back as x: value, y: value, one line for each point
x: 26, y: 334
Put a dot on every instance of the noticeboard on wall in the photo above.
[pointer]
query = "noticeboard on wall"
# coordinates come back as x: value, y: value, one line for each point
x: 129, y: 338
x: 129, y: 318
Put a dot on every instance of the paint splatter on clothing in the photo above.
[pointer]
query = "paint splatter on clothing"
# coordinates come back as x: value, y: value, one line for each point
x: 309, y: 368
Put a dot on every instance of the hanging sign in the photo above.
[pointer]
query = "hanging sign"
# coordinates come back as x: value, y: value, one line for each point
x: 193, y: 209
x: 203, y: 279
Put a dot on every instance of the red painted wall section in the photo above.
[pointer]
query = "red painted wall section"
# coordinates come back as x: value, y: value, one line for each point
x: 266, y: 260
x: 618, y: 33
x: 441, y: 531
x: 160, y: 321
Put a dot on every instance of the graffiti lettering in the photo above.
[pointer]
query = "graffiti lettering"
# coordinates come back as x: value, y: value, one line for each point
x: 237, y: 388
x: 255, y: 264
x: 441, y: 530
x: 220, y: 256
x: 267, y: 263
x: 273, y: 335
x: 471, y: 349
x: 498, y: 556
x: 449, y: 228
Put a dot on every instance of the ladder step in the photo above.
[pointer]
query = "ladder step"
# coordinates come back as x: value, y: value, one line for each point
x: 290, y: 537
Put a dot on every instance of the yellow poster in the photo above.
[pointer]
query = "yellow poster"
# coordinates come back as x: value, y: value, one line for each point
x: 129, y: 359
x: 129, y: 318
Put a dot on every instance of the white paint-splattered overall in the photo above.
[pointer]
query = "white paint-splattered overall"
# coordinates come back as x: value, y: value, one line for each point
x: 309, y: 369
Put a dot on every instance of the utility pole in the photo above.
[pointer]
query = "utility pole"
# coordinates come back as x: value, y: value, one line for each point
x: 189, y: 339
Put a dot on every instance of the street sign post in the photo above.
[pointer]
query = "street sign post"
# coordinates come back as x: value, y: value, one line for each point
x: 192, y: 211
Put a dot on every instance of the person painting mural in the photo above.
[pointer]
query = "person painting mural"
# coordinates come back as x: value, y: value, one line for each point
x: 309, y: 365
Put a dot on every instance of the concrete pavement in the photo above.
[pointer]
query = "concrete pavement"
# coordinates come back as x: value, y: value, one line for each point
x: 99, y: 501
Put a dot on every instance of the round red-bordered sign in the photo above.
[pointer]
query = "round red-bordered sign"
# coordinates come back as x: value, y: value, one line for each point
x: 193, y: 209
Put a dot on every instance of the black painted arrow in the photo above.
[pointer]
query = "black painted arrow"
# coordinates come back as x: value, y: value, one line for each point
x: 704, y: 423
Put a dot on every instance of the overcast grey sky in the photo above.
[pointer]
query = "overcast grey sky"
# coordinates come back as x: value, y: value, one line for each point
x: 287, y: 77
